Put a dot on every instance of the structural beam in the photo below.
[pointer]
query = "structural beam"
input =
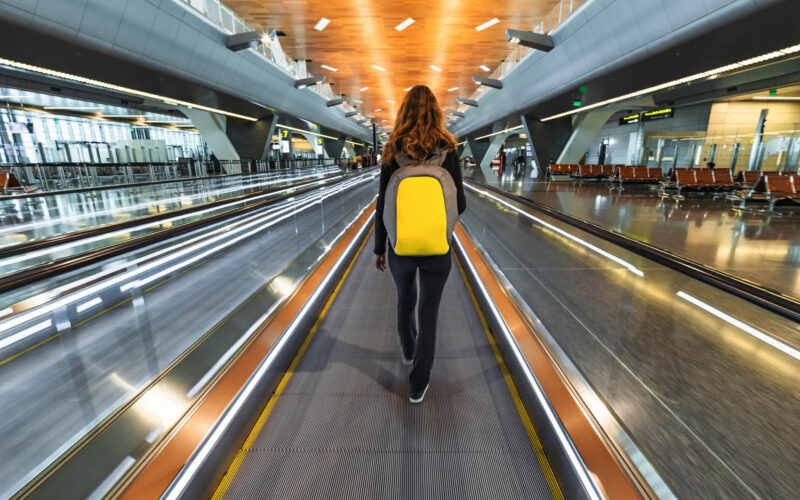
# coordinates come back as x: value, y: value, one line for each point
x: 530, y: 39
x: 488, y: 82
x: 247, y: 40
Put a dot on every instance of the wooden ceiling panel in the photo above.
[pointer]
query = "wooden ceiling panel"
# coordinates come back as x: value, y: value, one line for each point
x: 362, y: 33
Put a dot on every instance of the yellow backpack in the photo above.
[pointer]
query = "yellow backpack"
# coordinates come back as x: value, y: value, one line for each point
x: 420, y: 208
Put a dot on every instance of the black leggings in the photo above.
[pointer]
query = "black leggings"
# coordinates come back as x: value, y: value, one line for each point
x: 433, y: 272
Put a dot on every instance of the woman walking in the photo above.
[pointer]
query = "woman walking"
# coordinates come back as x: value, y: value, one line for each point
x: 420, y: 197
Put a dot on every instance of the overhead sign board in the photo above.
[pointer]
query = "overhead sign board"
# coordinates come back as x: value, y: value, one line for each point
x: 628, y: 120
x: 659, y: 114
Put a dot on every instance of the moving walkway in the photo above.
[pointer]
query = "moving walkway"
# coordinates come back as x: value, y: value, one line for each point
x: 579, y: 367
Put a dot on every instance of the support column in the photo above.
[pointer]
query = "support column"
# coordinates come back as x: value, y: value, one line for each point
x: 212, y: 128
x: 588, y: 125
x: 334, y: 148
x: 547, y: 139
x: 252, y: 139
x: 465, y: 151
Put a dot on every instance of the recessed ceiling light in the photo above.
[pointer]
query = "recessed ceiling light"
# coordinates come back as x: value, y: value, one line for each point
x: 377, y: 110
x: 485, y: 25
x: 776, y: 98
x: 452, y: 89
x: 328, y: 68
x: 356, y: 100
x: 322, y: 24
x: 362, y: 89
x: 405, y: 24
x: 435, y: 68
x: 485, y: 68
x: 406, y: 90
x: 378, y: 67
x: 389, y: 100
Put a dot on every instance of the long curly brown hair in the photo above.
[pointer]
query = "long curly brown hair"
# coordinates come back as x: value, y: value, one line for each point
x: 419, y: 128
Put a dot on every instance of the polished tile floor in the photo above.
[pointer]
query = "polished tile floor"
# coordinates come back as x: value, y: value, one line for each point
x: 755, y: 245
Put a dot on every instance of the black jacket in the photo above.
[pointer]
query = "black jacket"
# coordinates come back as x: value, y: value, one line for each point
x: 450, y: 164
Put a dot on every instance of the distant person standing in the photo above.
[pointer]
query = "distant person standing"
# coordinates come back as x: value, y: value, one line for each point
x: 420, y: 157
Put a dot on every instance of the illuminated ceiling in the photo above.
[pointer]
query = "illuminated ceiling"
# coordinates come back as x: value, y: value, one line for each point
x: 362, y: 33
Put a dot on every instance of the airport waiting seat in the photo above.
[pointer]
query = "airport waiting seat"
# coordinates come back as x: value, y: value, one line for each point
x: 655, y: 174
x: 771, y: 189
x: 781, y: 188
x: 562, y: 169
x: 589, y: 172
x: 723, y: 180
x: 9, y: 184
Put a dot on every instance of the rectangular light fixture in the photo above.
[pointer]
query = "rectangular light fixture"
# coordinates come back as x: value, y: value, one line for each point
x: 379, y: 68
x: 74, y: 108
x: 405, y: 24
x: 435, y: 68
x: 389, y: 100
x: 484, y: 68
x: 407, y: 89
x: 125, y: 116
x: 377, y: 110
x: 324, y: 66
x: 356, y: 100
x: 322, y: 24
x: 362, y: 89
x: 776, y: 98
x: 487, y: 24
x: 452, y: 89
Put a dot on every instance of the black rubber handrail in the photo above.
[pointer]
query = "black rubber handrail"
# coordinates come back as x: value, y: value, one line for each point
x: 30, y: 275
x: 5, y: 197
x: 59, y: 239
x: 777, y: 302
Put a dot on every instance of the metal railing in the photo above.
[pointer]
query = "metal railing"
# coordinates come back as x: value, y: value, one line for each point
x: 51, y: 177
x: 227, y: 20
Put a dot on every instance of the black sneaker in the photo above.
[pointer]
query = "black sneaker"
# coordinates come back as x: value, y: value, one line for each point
x: 417, y: 398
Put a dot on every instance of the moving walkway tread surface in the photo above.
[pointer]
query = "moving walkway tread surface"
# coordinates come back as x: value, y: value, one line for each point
x: 340, y: 424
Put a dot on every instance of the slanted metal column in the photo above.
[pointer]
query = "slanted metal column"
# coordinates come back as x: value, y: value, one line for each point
x: 212, y: 128
x: 758, y: 141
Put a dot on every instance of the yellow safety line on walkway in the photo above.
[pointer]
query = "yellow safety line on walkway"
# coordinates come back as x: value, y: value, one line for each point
x: 262, y: 419
x: 547, y: 470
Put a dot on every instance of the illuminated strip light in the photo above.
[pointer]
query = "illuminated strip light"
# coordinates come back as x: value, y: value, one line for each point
x: 763, y: 337
x: 518, y: 127
x: 6, y: 311
x: 178, y: 486
x: 555, y: 422
x: 47, y: 308
x: 287, y: 127
x: 716, y: 71
x: 118, y: 88
x: 776, y: 98
x: 89, y: 304
x: 630, y: 267
x: 379, y: 68
x: 13, y: 339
